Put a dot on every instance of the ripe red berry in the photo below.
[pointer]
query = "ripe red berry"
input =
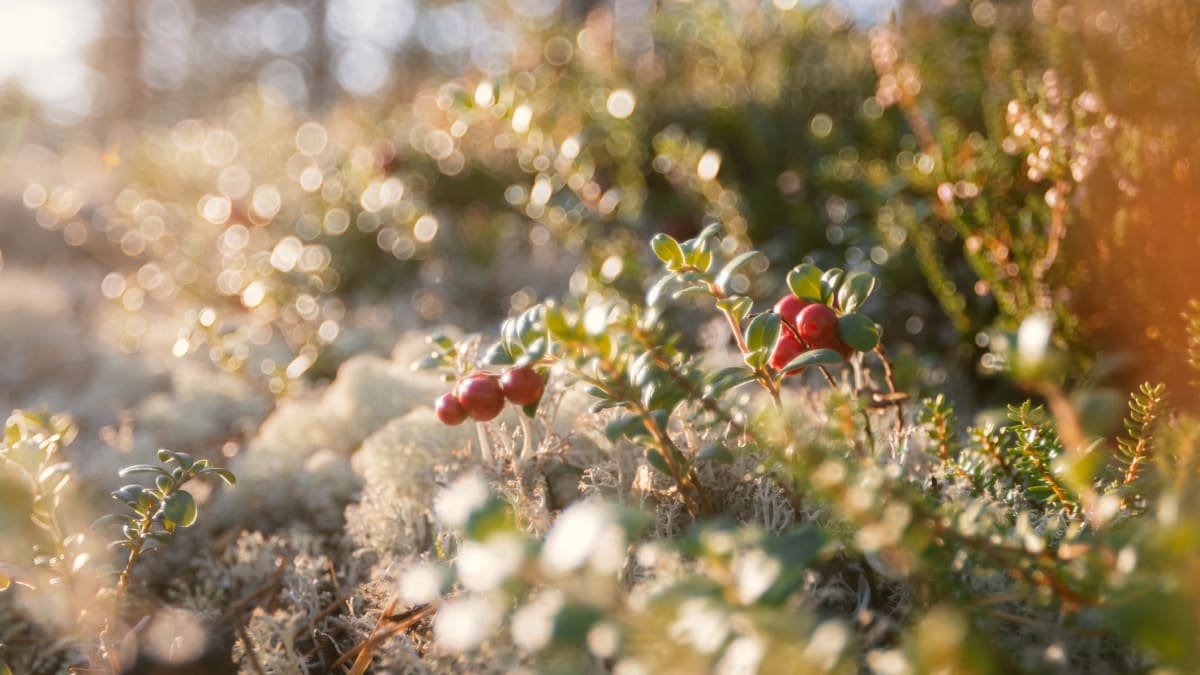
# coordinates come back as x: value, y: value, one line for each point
x: 818, y: 325
x: 522, y: 385
x: 787, y: 347
x: 449, y: 410
x: 481, y: 396
x: 789, y: 306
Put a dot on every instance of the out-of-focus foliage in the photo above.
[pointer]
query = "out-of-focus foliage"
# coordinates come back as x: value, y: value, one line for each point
x: 993, y: 203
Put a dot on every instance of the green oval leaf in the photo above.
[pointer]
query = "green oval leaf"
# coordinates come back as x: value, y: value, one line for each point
x: 731, y: 268
x: 815, y: 357
x: 180, y: 508
x: 854, y: 291
x: 712, y: 230
x: 225, y: 475
x: 656, y: 460
x: 858, y: 331
x: 498, y: 355
x: 656, y: 293
x: 804, y: 281
x: 630, y: 425
x: 830, y: 281
x: 762, y: 331
x: 143, y: 468
x: 667, y: 250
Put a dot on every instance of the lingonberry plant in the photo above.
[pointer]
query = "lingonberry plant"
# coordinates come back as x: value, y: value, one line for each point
x: 628, y: 358
x: 967, y: 526
x: 66, y: 566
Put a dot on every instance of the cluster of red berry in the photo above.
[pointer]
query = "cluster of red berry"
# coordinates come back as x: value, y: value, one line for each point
x: 481, y: 395
x: 807, y: 325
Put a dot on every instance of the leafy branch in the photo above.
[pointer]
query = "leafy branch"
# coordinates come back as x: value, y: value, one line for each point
x: 1144, y: 410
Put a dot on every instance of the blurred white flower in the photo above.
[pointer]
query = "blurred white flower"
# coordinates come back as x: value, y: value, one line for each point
x: 826, y: 644
x: 533, y: 623
x: 586, y: 530
x: 742, y: 657
x: 700, y: 624
x: 454, y: 505
x: 603, y: 639
x: 753, y: 573
x: 462, y: 623
x: 1033, y: 338
x: 421, y: 583
x: 482, y: 566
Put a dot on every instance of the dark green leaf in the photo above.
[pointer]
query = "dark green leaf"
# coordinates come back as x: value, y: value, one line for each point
x: 727, y: 378
x: 812, y: 357
x: 628, y: 425
x: 180, y: 508
x: 604, y: 405
x: 656, y: 460
x: 762, y: 331
x: 858, y: 331
x: 129, y: 494
x: 164, y: 483
x: 497, y: 355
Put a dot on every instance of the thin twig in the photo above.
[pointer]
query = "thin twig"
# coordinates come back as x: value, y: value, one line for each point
x: 366, y: 650
x: 321, y: 615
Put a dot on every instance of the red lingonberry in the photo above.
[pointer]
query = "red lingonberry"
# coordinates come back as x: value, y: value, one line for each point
x: 789, y: 306
x: 787, y: 347
x: 481, y: 395
x: 522, y: 385
x: 449, y: 410
x: 817, y: 324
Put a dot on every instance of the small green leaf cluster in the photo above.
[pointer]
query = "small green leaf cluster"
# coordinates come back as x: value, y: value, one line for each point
x: 30, y: 451
x: 159, y: 510
x: 1134, y: 449
x: 628, y: 355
